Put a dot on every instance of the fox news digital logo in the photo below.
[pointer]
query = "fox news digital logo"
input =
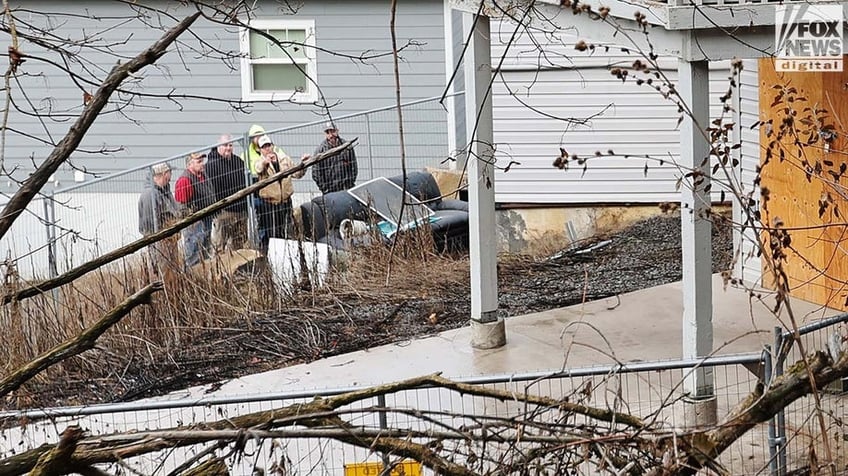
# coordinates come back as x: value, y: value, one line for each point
x: 808, y: 37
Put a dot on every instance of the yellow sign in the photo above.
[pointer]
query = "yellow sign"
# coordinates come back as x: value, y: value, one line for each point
x: 406, y: 468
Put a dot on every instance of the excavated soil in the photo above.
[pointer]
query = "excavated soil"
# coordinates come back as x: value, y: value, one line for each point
x: 644, y: 255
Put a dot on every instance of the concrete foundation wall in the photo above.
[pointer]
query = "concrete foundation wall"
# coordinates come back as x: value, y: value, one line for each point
x: 520, y: 229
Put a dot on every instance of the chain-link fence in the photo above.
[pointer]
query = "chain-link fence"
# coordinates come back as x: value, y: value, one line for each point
x: 797, y: 435
x: 74, y: 224
x: 650, y: 390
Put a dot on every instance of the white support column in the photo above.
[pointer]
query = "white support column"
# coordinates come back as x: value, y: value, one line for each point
x: 487, y: 329
x: 693, y: 88
x: 455, y: 105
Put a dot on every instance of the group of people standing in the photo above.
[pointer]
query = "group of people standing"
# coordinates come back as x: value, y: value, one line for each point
x: 220, y: 173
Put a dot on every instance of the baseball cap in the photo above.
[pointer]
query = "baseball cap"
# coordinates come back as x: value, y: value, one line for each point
x: 263, y: 141
x: 194, y: 156
x: 160, y: 169
x: 329, y: 126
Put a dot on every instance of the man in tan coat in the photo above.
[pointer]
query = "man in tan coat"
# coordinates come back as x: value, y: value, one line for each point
x: 275, y: 209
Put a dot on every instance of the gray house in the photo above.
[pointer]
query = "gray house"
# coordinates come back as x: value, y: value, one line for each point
x: 221, y: 79
x: 217, y: 78
x: 348, y: 61
x: 346, y: 67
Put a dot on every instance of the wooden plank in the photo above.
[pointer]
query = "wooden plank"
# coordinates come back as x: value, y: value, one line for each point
x: 816, y: 265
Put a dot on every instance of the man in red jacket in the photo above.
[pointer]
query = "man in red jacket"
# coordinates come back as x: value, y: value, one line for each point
x: 195, y: 191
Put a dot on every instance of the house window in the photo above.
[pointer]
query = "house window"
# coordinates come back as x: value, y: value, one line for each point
x: 278, y: 72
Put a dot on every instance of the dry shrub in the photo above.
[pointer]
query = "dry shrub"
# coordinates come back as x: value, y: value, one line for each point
x: 407, y: 268
x: 190, y: 303
x: 201, y: 302
x: 19, y: 322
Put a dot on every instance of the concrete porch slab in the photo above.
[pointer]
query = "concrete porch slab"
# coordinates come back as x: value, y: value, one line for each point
x: 638, y: 326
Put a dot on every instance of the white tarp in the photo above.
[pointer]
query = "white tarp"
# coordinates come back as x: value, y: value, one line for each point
x: 286, y: 263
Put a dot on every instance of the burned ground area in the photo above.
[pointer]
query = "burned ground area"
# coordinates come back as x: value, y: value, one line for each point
x: 644, y: 255
x: 361, y: 311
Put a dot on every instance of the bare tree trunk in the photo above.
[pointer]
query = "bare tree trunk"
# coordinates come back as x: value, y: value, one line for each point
x: 19, y: 201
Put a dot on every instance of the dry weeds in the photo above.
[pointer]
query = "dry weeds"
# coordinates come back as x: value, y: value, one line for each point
x: 204, y: 330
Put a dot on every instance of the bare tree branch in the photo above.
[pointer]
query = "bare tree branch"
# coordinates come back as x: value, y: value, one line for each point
x: 317, y: 414
x: 107, y: 258
x: 79, y: 344
x: 72, y: 139
x: 321, y: 418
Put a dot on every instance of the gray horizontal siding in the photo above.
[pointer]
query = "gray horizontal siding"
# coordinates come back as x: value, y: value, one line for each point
x: 153, y: 128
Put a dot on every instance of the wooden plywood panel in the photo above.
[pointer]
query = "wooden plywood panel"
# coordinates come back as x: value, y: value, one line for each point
x: 805, y: 177
x: 835, y: 255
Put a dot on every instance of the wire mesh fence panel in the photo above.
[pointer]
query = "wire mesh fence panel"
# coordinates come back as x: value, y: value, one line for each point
x: 378, y: 150
x: 429, y: 416
x: 750, y: 453
x: 24, y: 250
x: 815, y: 429
x: 92, y: 219
x: 89, y: 219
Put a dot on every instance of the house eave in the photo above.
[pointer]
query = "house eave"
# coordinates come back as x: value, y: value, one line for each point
x: 693, y: 17
x: 711, y: 44
x: 690, y: 32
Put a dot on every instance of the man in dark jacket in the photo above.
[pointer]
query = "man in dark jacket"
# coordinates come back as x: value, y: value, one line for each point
x: 194, y: 191
x: 335, y: 173
x: 227, y: 173
x: 156, y: 205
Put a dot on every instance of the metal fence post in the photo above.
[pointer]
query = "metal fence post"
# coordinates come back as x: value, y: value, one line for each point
x: 252, y: 222
x: 383, y: 422
x: 370, y: 151
x: 50, y: 228
x: 780, y: 430
x: 768, y: 359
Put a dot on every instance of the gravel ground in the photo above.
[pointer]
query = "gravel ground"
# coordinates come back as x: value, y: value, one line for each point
x: 644, y: 255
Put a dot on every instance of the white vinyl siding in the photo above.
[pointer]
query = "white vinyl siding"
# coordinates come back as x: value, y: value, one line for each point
x: 535, y: 96
x: 280, y: 70
x: 749, y: 264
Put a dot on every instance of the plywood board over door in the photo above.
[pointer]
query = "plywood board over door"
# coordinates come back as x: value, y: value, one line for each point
x: 804, y: 173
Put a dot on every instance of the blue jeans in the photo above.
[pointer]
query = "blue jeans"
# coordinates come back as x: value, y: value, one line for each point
x: 196, y: 243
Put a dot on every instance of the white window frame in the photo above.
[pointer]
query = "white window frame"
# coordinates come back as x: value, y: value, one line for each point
x: 309, y: 64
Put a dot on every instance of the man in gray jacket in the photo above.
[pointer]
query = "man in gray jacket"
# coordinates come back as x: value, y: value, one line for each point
x: 335, y: 173
x: 156, y: 205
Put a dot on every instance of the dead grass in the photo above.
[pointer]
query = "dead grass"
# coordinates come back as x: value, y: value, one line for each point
x: 199, y: 301
x: 402, y: 271
x: 191, y: 302
x: 204, y: 328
